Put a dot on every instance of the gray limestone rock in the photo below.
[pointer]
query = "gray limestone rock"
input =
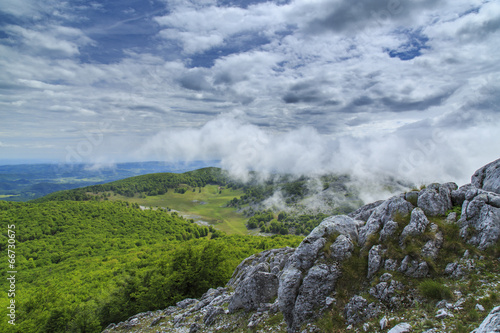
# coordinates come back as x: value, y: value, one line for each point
x: 212, y: 314
x: 260, y: 287
x: 375, y: 260
x: 318, y: 283
x: 355, y: 309
x: 383, y: 213
x: 435, y: 199
x: 195, y: 327
x: 275, y: 259
x: 432, y: 247
x: 385, y: 277
x: 443, y: 313
x: 417, y: 225
x: 388, y: 230
x: 488, y: 177
x: 451, y: 218
x: 413, y: 268
x: 401, y: 328
x: 342, y: 248
x: 391, y: 264
x: 480, y: 220
x: 458, y: 195
x: 186, y: 302
x: 383, y: 323
x: 460, y: 268
x: 287, y: 293
x: 386, y: 292
x: 364, y: 212
x: 491, y: 323
x: 301, y: 274
x: 208, y: 297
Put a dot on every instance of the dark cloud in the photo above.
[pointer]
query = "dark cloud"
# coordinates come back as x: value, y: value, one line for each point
x: 304, y: 92
x: 195, y: 81
x: 348, y: 16
x: 407, y: 104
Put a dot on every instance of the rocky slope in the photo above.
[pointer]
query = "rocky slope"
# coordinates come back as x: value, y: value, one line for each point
x: 423, y: 261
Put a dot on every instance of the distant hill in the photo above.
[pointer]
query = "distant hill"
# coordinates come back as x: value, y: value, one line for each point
x: 30, y: 181
x: 150, y: 184
x: 278, y: 204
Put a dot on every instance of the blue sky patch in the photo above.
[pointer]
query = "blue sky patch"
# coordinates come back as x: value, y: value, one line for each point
x: 412, y: 48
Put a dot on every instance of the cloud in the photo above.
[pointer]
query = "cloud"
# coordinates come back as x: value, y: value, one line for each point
x: 417, y: 154
x: 316, y: 85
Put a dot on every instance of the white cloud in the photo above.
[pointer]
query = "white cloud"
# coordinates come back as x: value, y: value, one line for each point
x: 315, y: 89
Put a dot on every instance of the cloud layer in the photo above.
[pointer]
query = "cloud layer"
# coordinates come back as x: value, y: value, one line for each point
x: 296, y: 86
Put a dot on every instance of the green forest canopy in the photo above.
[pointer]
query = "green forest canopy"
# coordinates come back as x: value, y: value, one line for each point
x: 83, y: 265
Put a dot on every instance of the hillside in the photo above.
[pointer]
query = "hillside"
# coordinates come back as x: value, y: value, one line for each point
x: 82, y: 265
x: 275, y: 204
x: 30, y: 181
x: 422, y: 261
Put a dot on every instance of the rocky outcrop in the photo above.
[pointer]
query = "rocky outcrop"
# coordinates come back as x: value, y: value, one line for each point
x: 375, y: 260
x: 417, y: 225
x: 395, y: 235
x: 383, y: 213
x: 363, y: 213
x: 480, y: 220
x: 488, y: 177
x: 491, y: 323
x: 413, y: 268
x: 436, y: 199
x: 358, y: 310
x: 259, y: 287
x: 306, y: 282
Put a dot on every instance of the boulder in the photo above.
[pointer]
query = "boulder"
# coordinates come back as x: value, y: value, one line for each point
x: 260, y: 287
x: 412, y: 197
x: 318, y: 283
x: 342, y: 248
x: 305, y: 284
x: 432, y: 247
x: 388, y: 230
x: 382, y: 214
x: 385, y: 291
x: 458, y: 195
x: 488, y: 177
x: 364, y: 212
x: 480, y: 220
x: 491, y: 323
x: 355, y: 309
x: 414, y: 268
x: 417, y: 225
x: 401, y: 328
x: 374, y: 260
x: 435, y: 199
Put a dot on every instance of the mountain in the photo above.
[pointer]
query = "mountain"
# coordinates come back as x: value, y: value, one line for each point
x: 423, y: 261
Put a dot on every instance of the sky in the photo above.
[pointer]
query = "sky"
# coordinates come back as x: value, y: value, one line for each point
x: 380, y: 87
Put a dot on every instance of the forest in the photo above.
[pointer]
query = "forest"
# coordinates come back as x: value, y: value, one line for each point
x: 293, y: 217
x: 83, y: 265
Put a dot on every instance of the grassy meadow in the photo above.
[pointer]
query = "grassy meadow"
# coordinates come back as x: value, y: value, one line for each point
x: 207, y: 205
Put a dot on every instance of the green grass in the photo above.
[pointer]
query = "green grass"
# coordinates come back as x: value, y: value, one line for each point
x: 189, y: 204
x: 8, y: 195
x: 434, y: 290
